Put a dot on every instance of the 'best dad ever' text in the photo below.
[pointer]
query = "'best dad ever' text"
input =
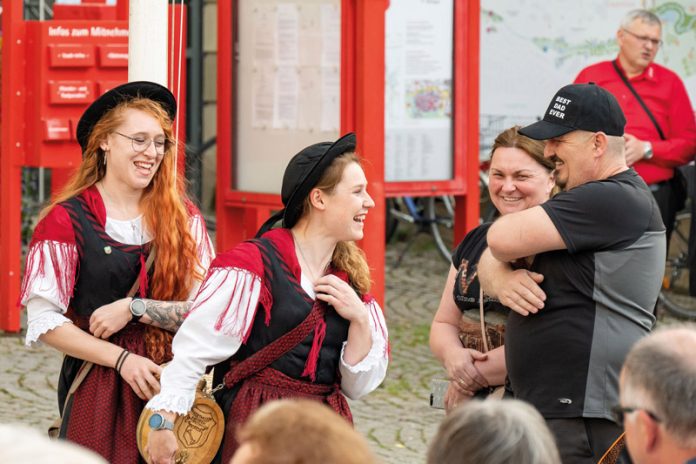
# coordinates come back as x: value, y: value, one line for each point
x: 559, y: 107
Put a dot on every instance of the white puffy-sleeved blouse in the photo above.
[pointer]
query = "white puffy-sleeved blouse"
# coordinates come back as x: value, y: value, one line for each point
x: 45, y: 298
x: 199, y: 344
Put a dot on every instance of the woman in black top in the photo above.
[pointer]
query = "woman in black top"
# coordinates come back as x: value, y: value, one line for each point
x: 520, y: 177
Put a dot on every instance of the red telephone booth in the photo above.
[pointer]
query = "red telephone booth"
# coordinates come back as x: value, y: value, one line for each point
x: 276, y: 59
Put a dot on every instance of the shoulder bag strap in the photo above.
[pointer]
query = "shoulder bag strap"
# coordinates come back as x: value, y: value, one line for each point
x: 612, y: 454
x: 87, y: 365
x: 276, y: 349
x: 484, y: 334
x: 640, y: 100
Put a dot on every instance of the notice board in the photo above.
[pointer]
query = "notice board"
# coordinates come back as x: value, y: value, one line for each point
x: 287, y: 85
x: 418, y: 90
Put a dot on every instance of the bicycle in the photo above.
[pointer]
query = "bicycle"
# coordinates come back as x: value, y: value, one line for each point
x: 674, y: 295
x: 435, y: 215
x: 431, y: 215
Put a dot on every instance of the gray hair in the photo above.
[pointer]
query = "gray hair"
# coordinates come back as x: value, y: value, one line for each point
x: 493, y: 432
x: 660, y: 371
x: 20, y: 444
x: 644, y: 15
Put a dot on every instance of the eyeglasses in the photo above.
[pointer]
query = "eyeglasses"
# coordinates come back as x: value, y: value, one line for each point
x: 619, y: 411
x: 644, y: 38
x: 140, y: 144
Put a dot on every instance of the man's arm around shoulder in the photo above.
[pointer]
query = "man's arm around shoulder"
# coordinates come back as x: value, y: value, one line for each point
x: 522, y: 234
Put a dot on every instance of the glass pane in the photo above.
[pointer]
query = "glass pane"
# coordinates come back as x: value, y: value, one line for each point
x: 288, y: 85
x: 418, y: 90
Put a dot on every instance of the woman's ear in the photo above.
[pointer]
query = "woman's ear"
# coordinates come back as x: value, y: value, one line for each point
x: 316, y: 198
x: 552, y: 182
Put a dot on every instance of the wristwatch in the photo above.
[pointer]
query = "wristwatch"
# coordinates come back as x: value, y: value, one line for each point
x: 137, y: 308
x: 158, y: 422
x: 647, y: 150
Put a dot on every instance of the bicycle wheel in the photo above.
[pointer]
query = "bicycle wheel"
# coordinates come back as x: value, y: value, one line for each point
x: 674, y: 296
x: 677, y: 265
x: 487, y: 211
x: 440, y: 215
x: 679, y: 305
x: 392, y: 222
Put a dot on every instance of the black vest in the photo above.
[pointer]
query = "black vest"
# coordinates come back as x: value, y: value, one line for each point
x: 107, y: 268
x: 105, y: 273
x: 291, y: 305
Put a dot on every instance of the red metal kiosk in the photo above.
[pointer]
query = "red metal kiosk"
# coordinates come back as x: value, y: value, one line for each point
x: 362, y: 94
x: 51, y: 70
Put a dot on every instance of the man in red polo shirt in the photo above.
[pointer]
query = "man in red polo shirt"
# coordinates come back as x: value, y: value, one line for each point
x: 654, y: 153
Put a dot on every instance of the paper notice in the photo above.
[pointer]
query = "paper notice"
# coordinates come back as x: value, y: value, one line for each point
x: 287, y: 98
x: 331, y: 35
x: 309, y: 111
x: 330, y: 99
x: 262, y: 98
x: 264, y: 43
x: 287, y: 37
x: 418, y: 91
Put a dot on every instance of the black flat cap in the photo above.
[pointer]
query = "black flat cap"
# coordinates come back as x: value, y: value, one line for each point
x: 111, y: 99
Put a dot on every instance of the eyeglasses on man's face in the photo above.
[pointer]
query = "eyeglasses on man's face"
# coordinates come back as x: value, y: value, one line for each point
x: 618, y: 412
x: 645, y: 39
x: 141, y: 143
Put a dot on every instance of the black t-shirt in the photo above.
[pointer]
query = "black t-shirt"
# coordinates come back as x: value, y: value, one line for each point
x: 601, y: 292
x: 465, y: 260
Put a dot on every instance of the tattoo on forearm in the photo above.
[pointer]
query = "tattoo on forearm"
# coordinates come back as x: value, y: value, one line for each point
x: 168, y: 315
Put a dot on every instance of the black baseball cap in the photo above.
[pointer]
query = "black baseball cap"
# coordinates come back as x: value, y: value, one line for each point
x: 302, y: 174
x: 586, y: 107
x: 111, y: 99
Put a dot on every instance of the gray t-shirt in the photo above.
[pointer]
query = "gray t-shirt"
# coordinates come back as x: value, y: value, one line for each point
x: 601, y: 295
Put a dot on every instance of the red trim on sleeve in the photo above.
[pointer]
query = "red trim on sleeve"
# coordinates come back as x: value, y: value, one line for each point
x: 56, y: 226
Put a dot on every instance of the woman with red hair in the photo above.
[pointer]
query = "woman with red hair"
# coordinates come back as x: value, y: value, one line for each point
x: 124, y: 206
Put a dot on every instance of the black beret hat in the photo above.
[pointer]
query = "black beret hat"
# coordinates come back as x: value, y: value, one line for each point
x: 302, y: 174
x: 117, y: 95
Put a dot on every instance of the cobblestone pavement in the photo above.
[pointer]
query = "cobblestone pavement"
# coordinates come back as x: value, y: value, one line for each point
x: 396, y: 418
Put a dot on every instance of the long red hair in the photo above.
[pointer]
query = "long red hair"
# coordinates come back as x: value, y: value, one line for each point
x: 164, y: 213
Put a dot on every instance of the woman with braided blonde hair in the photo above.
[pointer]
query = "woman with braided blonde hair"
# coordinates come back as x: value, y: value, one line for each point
x: 123, y: 207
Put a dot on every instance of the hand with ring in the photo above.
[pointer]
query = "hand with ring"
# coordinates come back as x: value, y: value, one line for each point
x: 462, y: 372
